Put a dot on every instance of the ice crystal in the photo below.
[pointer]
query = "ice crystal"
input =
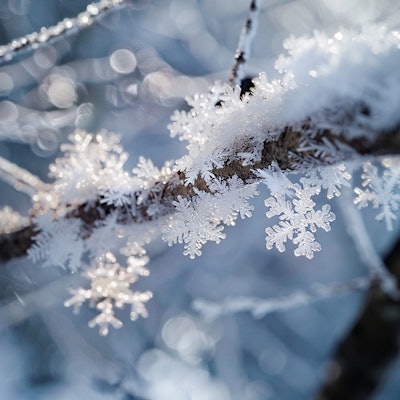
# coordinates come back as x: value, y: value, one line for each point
x: 92, y: 165
x: 381, y: 189
x: 199, y: 219
x: 58, y: 242
x: 110, y: 289
x: 151, y: 182
x: 293, y: 204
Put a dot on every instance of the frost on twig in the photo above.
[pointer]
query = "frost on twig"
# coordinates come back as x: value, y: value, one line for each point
x: 366, y: 249
x: 82, y: 20
x: 19, y: 178
x: 242, y: 53
x: 259, y: 308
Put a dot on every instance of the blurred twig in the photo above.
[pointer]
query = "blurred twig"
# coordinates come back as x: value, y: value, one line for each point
x: 83, y: 19
x: 365, y: 354
x: 243, y: 48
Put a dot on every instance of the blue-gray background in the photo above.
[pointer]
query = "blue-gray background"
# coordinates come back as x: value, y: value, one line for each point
x: 180, y: 47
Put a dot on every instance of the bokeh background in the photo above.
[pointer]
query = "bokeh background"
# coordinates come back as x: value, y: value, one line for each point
x: 127, y: 73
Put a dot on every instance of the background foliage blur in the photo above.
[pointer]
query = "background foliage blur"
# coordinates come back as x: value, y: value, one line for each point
x: 126, y: 73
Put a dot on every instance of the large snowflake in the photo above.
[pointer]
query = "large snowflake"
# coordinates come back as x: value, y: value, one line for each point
x: 293, y: 204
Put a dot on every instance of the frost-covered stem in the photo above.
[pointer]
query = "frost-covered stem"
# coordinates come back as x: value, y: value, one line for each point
x: 283, y: 151
x: 363, y: 357
x: 261, y: 307
x: 365, y: 247
x: 84, y: 19
x: 243, y: 49
x: 19, y: 178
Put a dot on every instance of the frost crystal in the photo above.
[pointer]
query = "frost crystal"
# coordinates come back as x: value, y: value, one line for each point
x: 381, y: 189
x: 110, y: 289
x: 293, y: 204
x: 58, y: 242
x: 199, y: 219
x: 92, y: 165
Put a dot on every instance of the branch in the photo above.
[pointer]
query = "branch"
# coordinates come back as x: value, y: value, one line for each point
x: 243, y: 49
x: 364, y: 356
x: 84, y: 19
x: 261, y: 307
x: 284, y: 151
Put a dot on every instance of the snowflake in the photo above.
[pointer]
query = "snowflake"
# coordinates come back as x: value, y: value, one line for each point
x: 292, y: 203
x: 199, y: 219
x: 110, y: 289
x: 381, y: 189
x: 11, y: 220
x: 92, y: 165
x: 331, y: 178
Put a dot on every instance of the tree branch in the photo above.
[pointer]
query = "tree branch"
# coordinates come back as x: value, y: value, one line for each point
x: 84, y: 19
x: 284, y: 151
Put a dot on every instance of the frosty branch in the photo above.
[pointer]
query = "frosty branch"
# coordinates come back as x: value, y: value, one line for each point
x: 283, y: 152
x: 277, y: 135
x: 84, y: 19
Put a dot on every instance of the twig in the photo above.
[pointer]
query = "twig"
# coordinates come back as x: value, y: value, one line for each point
x: 19, y: 178
x: 84, y: 19
x: 243, y: 48
x: 365, y: 247
x: 261, y: 307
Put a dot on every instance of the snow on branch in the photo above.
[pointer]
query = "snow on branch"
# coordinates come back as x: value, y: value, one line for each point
x: 82, y: 20
x: 259, y: 308
x: 242, y: 53
x: 336, y: 102
x: 19, y: 178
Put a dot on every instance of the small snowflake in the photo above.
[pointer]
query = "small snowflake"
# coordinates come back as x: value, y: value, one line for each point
x: 110, y: 289
x: 381, y: 189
